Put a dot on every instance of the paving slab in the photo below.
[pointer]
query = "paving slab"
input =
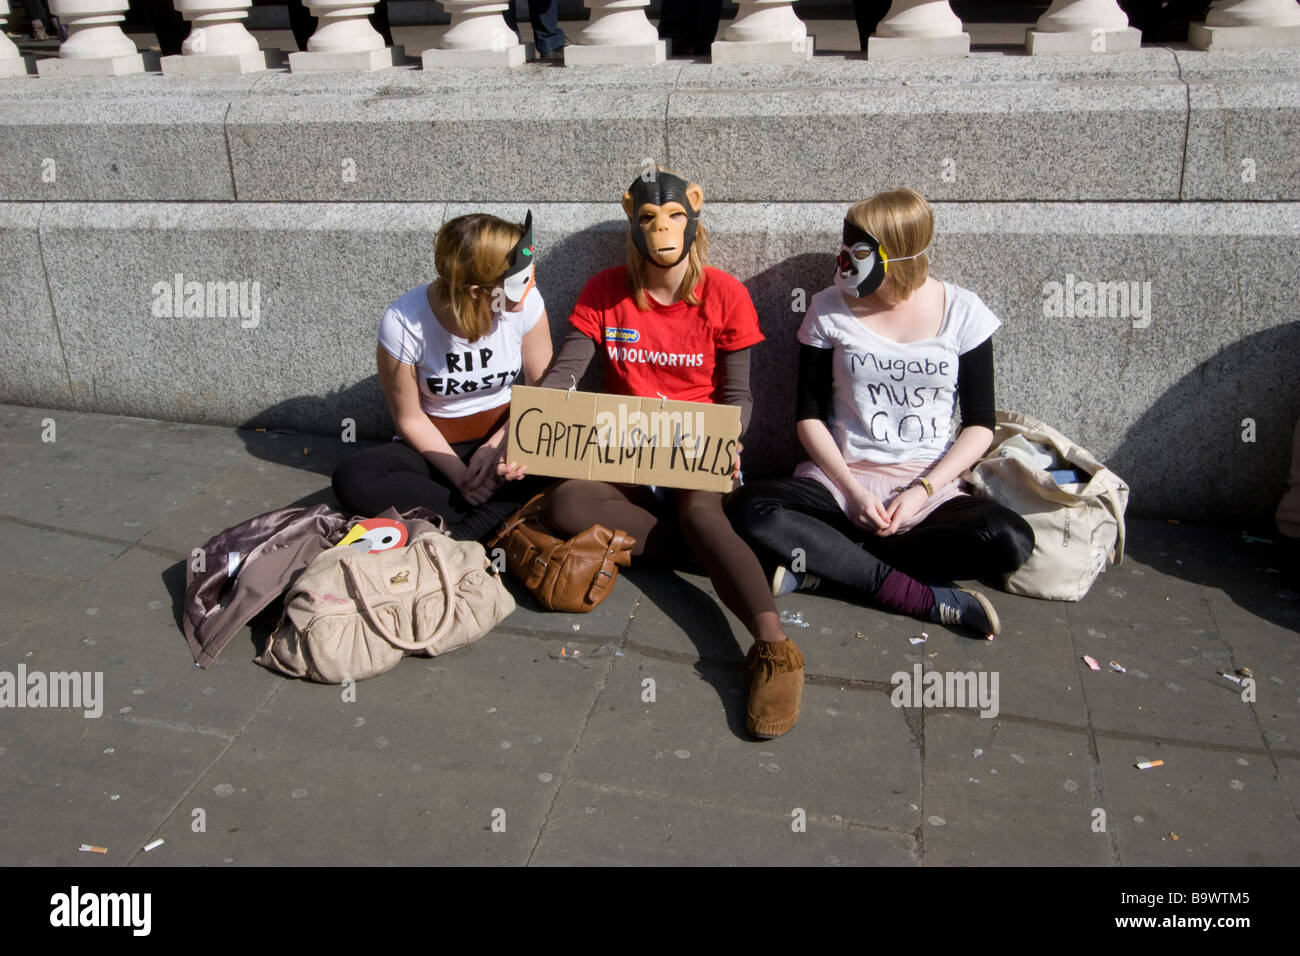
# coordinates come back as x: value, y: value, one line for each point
x: 690, y: 742
x: 37, y: 560
x: 122, y: 624
x: 1004, y: 793
x: 605, y: 826
x: 66, y: 780
x: 1227, y: 806
x: 66, y: 486
x: 409, y: 773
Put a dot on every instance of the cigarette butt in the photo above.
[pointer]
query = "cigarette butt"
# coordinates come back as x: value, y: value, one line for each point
x: 154, y: 845
x: 87, y: 848
x: 916, y: 640
x: 1232, y: 677
x: 1091, y: 663
x: 1148, y: 764
x: 1117, y: 666
x: 1173, y: 836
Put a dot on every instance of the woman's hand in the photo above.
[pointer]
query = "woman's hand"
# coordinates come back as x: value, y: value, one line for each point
x: 865, y: 509
x: 905, y: 504
x: 482, y: 475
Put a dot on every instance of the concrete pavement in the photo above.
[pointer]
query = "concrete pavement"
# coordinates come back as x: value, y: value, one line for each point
x: 506, y: 752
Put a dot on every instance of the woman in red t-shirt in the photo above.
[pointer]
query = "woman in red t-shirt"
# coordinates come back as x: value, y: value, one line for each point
x: 669, y: 325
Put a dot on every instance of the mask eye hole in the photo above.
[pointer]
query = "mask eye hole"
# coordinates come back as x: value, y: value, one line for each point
x: 862, y: 254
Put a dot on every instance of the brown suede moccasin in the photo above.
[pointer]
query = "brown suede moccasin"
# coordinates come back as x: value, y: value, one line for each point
x: 775, y: 687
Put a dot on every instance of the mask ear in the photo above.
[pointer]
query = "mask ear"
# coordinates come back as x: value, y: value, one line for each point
x: 627, y: 205
x: 696, y: 196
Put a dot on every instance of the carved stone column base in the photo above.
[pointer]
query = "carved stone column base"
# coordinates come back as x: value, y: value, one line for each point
x: 623, y: 54
x: 221, y: 63
x: 1241, y: 38
x: 17, y: 65
x: 366, y: 61
x: 98, y: 66
x: 899, y: 48
x: 1038, y: 42
x: 511, y: 56
x: 762, y: 51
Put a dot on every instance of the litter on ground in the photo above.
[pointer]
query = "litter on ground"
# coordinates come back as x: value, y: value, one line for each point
x: 1117, y: 666
x: 1091, y: 663
x: 87, y: 848
x: 1148, y: 764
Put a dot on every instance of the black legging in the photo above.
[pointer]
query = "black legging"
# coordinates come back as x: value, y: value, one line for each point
x: 397, y: 476
x: 962, y: 538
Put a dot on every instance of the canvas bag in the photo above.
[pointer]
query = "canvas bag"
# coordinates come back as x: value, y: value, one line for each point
x: 354, y: 615
x: 1075, y: 534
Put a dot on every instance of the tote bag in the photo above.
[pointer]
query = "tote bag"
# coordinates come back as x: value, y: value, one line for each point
x: 1077, y: 528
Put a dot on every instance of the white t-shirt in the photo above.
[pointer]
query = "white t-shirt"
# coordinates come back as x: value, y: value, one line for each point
x: 893, y: 402
x: 458, y: 377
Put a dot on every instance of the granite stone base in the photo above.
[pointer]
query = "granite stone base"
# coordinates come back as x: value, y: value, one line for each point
x: 763, y: 51
x: 1242, y: 38
x: 1039, y: 42
x: 369, y: 61
x: 221, y: 63
x: 628, y: 54
x: 901, y: 48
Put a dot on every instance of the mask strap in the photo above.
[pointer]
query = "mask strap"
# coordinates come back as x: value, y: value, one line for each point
x: 885, y: 260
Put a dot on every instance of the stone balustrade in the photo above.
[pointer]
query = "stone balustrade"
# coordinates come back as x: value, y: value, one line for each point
x: 96, y: 45
x: 12, y: 63
x: 618, y: 35
x: 1248, y: 25
x: 918, y: 28
x: 344, y: 40
x: 764, y: 31
x: 1083, y: 26
x: 478, y: 37
x: 218, y: 41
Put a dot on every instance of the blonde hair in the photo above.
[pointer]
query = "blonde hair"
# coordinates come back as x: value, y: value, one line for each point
x: 472, y: 250
x: 903, y: 222
x: 697, y: 260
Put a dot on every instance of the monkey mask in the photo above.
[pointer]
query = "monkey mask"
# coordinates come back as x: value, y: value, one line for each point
x: 861, y: 265
x: 519, y: 276
x: 651, y: 206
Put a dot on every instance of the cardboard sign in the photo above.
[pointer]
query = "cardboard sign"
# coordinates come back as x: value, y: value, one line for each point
x: 623, y: 439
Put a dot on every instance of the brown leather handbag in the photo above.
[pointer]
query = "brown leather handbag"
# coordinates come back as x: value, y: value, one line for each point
x: 573, y: 575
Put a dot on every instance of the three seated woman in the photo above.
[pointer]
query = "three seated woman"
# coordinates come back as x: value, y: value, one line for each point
x: 887, y: 356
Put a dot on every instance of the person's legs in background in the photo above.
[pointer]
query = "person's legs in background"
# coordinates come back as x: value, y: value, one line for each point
x: 544, y: 16
x: 868, y: 14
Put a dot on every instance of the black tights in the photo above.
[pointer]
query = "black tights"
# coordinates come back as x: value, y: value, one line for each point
x: 962, y: 538
x: 397, y: 476
x: 701, y: 522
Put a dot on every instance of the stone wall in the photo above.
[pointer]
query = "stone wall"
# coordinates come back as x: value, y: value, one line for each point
x: 316, y: 198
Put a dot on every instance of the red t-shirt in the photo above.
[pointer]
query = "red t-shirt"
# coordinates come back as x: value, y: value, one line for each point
x: 667, y: 349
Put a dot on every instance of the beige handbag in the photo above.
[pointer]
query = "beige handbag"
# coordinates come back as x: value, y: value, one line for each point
x: 1077, y: 528
x: 353, y: 615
